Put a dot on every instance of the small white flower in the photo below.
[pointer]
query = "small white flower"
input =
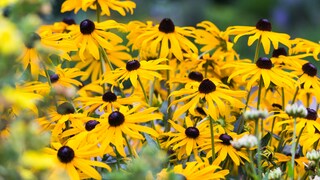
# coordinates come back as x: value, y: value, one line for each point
x: 313, y: 155
x: 254, y: 114
x: 247, y: 141
x: 295, y: 110
x: 275, y: 173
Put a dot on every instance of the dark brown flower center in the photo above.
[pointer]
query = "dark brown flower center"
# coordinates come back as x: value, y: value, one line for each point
x: 54, y: 78
x: 309, y: 69
x: 264, y: 25
x: 65, y: 108
x: 109, y: 97
x: 69, y: 20
x: 31, y: 40
x: 132, y: 65
x: 280, y: 51
x: 274, y: 105
x: 65, y: 154
x: 87, y: 26
x: 116, y: 118
x: 225, y: 139
x: 91, y: 124
x: 192, y: 132
x: 206, y: 86
x: 166, y: 26
x: 312, y: 114
x: 196, y: 76
x: 264, y: 63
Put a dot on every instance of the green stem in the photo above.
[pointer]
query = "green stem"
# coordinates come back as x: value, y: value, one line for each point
x: 283, y: 99
x: 103, y: 68
x: 143, y: 90
x: 298, y: 138
x: 259, y: 93
x: 272, y: 126
x: 256, y: 54
x: 241, y: 122
x: 293, y: 148
x: 253, y: 174
x: 98, y: 11
x: 128, y: 144
x: 151, y: 91
x: 166, y: 123
x: 51, y: 87
x: 258, y: 135
x: 295, y: 96
x: 212, y: 139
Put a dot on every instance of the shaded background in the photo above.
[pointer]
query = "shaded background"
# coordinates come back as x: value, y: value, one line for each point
x: 298, y: 18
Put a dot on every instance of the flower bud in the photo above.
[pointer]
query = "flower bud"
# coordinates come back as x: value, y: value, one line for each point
x: 275, y: 173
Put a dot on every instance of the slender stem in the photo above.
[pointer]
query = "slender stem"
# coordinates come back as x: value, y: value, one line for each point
x: 151, y: 91
x: 51, y: 87
x: 128, y: 144
x: 253, y: 174
x: 241, y: 122
x: 98, y: 11
x: 212, y: 139
x: 166, y: 124
x: 295, y: 96
x: 283, y: 98
x: 258, y: 135
x: 143, y: 90
x: 256, y: 54
x: 298, y: 138
x: 259, y: 93
x: 293, y: 147
x: 103, y: 68
x: 272, y: 126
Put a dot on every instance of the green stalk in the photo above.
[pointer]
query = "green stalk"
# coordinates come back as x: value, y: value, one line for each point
x: 256, y: 54
x: 295, y: 96
x: 212, y: 139
x: 282, y: 98
x: 259, y: 93
x: 128, y: 144
x: 258, y: 135
x: 166, y: 123
x: 272, y: 126
x: 293, y: 148
x: 143, y: 90
x: 241, y: 122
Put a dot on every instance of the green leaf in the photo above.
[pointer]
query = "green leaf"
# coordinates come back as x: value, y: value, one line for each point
x: 265, y: 140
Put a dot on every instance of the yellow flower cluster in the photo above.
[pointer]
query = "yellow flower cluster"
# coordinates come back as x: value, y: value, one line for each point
x: 182, y: 90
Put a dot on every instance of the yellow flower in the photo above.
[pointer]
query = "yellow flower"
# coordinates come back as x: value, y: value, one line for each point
x: 308, y: 77
x: 165, y: 40
x: 91, y: 36
x: 65, y: 77
x: 215, y: 94
x: 305, y: 46
x: 137, y: 69
x: 121, y: 6
x: 124, y: 122
x: 223, y: 148
x: 263, y: 68
x: 187, y: 140
x: 194, y: 171
x: 75, y: 159
x: 261, y: 31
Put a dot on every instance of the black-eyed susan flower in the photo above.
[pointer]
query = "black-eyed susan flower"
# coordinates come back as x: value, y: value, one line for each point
x: 121, y: 6
x: 217, y: 97
x: 107, y: 102
x: 165, y: 39
x: 125, y: 122
x: 76, y: 159
x: 262, y: 69
x: 137, y: 69
x: 308, y: 77
x: 66, y: 77
x: 224, y: 148
x: 89, y: 36
x: 194, y: 170
x: 262, y: 31
x: 280, y: 57
x: 187, y: 139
